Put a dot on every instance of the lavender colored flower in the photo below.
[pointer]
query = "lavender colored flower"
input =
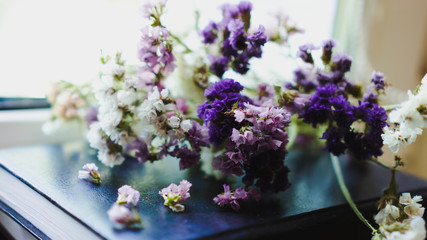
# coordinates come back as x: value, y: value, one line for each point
x: 91, y: 115
x: 341, y: 62
x: 175, y: 194
x: 221, y: 96
x: 301, y: 79
x: 265, y: 94
x: 210, y: 33
x: 142, y: 153
x: 231, y: 198
x: 258, y: 38
x: 127, y: 195
x: 237, y: 36
x: 378, y: 80
x: 198, y: 136
x: 305, y: 52
x: 319, y: 111
x: 244, y: 7
x: 90, y: 172
x: 218, y: 65
x: 327, y: 45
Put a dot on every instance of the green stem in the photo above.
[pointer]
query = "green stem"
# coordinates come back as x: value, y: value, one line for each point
x: 381, y: 164
x: 346, y: 193
x: 187, y: 49
x: 391, y: 107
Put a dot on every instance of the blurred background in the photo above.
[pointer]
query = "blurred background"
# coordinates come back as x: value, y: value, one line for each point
x: 49, y: 40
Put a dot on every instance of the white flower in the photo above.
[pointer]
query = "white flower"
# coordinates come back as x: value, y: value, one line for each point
x: 94, y: 136
x: 174, y: 121
x: 412, y: 207
x: 388, y: 214
x: 124, y: 216
x: 126, y: 97
x: 186, y: 125
x: 110, y: 159
x: 90, y: 172
x: 415, y: 230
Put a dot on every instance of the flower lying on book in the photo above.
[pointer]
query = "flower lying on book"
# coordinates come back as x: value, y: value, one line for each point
x: 175, y: 194
x: 231, y: 198
x: 123, y: 212
x: 127, y: 195
x: 401, y: 220
x: 124, y: 217
x: 90, y: 173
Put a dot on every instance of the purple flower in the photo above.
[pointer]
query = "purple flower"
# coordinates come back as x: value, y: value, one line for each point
x: 91, y: 115
x: 142, y: 153
x: 198, y: 136
x: 341, y: 62
x: 210, y: 33
x: 127, y: 195
x: 175, y: 194
x: 258, y: 38
x: 218, y: 65
x: 231, y: 198
x: 305, y: 52
x: 244, y: 7
x: 319, y: 110
x: 378, y: 80
x: 237, y: 36
x: 327, y: 45
x: 221, y: 96
x: 303, y: 81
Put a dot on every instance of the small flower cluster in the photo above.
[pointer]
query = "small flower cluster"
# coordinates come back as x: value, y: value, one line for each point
x: 402, y: 220
x: 237, y: 45
x: 329, y: 104
x: 90, y: 173
x: 175, y: 194
x: 258, y: 147
x: 155, y: 48
x: 408, y: 119
x: 216, y: 110
x: 117, y: 98
x: 231, y: 198
x: 123, y: 212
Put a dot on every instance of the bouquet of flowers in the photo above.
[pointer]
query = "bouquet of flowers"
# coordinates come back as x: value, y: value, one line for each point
x: 203, y: 105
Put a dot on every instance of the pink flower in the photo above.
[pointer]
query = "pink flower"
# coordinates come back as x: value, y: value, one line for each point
x: 90, y: 173
x: 127, y: 195
x: 175, y: 194
x: 231, y: 198
x: 124, y: 216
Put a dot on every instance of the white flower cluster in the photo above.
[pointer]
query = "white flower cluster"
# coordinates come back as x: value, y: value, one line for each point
x: 408, y: 119
x: 114, y: 94
x: 412, y: 227
x: 155, y: 111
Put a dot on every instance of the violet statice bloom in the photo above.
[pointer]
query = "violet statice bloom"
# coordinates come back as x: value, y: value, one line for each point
x: 237, y: 45
x: 257, y: 148
x: 231, y: 198
x: 329, y: 106
x: 378, y: 80
x: 221, y: 96
x: 210, y: 33
x: 155, y: 50
x: 305, y: 52
x: 90, y: 173
x: 142, y: 153
x: 265, y: 94
x: 127, y: 195
x: 124, y: 217
x: 327, y: 46
x: 175, y: 194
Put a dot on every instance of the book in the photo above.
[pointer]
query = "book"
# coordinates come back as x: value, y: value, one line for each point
x: 41, y: 192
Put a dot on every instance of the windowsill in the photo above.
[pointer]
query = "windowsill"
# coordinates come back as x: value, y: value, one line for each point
x: 24, y: 127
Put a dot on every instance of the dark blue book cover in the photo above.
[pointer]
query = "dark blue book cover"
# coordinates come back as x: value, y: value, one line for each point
x: 309, y: 206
